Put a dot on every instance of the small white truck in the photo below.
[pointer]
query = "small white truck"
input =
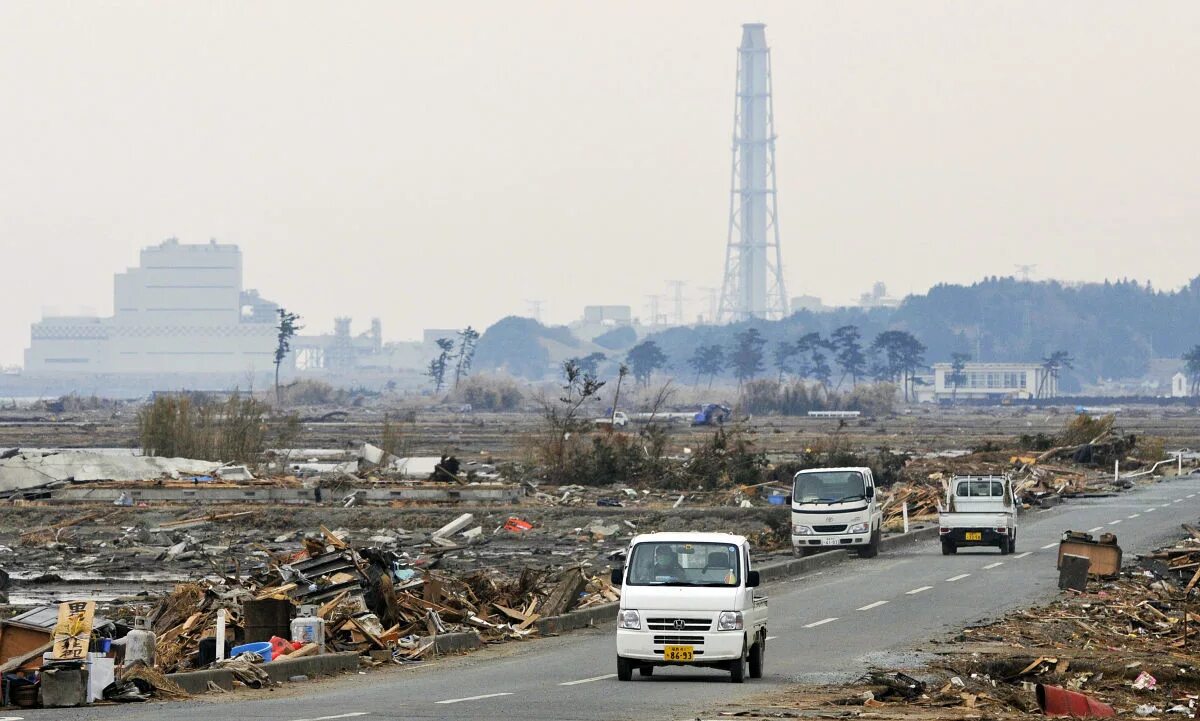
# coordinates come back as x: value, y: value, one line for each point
x: 617, y: 420
x: 980, y: 511
x: 688, y: 599
x: 835, y: 508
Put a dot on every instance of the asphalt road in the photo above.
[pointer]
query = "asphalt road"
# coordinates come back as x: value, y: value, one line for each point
x: 825, y: 626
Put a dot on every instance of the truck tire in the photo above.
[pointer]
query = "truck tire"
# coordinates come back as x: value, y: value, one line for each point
x: 948, y: 548
x: 624, y: 669
x: 871, y: 550
x: 1012, y: 543
x: 1004, y: 546
x: 646, y: 671
x: 737, y: 668
x: 757, y: 652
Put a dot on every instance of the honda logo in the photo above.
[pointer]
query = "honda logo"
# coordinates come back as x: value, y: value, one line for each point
x: 828, y: 519
x: 680, y: 624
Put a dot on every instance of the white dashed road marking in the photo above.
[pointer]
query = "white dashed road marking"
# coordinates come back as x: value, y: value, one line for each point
x: 1093, y: 530
x: 326, y: 718
x: 772, y: 638
x: 1049, y: 545
x: 1133, y: 515
x: 1177, y: 500
x: 915, y: 591
x: 1191, y: 495
x: 1113, y: 523
x: 476, y: 698
x: 869, y: 606
x: 822, y: 622
x: 1150, y: 510
x: 993, y: 565
x: 1023, y: 555
x: 959, y: 577
x: 589, y: 680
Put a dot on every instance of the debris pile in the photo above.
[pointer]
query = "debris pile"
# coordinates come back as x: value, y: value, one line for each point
x: 377, y: 602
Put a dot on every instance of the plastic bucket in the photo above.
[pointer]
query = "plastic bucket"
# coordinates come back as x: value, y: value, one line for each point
x: 776, y: 499
x: 262, y: 648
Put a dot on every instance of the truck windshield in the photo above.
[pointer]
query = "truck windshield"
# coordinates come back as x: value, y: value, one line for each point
x: 829, y: 487
x: 683, y: 564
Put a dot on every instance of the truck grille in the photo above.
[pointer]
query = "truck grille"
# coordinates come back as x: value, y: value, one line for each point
x: 829, y: 529
x: 689, y: 624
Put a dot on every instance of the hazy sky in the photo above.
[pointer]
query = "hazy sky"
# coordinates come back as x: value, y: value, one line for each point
x: 438, y: 164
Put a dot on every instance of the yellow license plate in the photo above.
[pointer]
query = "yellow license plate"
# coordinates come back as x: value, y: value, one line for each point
x: 677, y: 653
x: 974, y: 535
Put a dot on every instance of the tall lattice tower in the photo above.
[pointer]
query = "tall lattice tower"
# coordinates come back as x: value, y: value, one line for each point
x: 753, y: 286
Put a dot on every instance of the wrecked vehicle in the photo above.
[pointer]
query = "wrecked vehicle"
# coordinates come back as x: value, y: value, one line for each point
x: 689, y: 599
x: 980, y: 511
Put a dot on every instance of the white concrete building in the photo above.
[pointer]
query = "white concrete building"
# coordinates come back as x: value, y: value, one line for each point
x: 994, y: 381
x: 1179, y: 386
x: 182, y: 310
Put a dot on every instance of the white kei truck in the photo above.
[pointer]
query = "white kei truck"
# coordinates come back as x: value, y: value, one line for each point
x: 835, y: 508
x: 980, y: 511
x: 688, y: 599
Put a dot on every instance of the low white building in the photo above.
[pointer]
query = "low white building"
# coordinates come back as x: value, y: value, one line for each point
x: 1179, y: 386
x: 995, y: 381
x: 182, y: 310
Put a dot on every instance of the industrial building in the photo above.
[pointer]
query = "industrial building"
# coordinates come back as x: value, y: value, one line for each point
x: 993, y: 381
x: 181, y: 311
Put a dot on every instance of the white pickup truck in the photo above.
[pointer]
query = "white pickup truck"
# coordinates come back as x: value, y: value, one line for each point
x: 616, y: 420
x: 688, y: 599
x: 980, y: 511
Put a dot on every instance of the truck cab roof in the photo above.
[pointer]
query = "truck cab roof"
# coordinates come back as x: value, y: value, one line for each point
x: 688, y: 537
x: 860, y: 469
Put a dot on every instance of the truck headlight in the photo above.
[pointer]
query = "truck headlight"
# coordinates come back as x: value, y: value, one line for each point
x: 801, y: 531
x: 729, y: 621
x: 859, y: 528
x: 630, y: 620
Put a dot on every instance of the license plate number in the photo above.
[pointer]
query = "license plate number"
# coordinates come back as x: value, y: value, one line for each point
x: 974, y: 535
x: 829, y: 541
x: 678, y: 653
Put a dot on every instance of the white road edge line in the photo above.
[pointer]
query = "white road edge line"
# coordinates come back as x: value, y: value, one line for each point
x: 993, y: 565
x: 475, y: 698
x: 822, y: 622
x: 1093, y: 530
x: 588, y: 680
x: 1045, y: 510
x: 869, y: 606
x: 341, y: 715
x: 1049, y: 545
x: 915, y: 591
x: 1022, y: 555
x: 959, y: 577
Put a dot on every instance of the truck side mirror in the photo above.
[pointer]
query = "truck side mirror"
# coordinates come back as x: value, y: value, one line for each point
x: 870, y: 491
x: 752, y: 579
x: 616, y: 575
x: 789, y: 499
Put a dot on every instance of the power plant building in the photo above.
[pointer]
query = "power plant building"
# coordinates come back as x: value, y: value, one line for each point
x: 181, y: 311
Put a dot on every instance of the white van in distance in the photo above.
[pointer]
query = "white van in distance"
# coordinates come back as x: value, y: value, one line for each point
x: 835, y: 508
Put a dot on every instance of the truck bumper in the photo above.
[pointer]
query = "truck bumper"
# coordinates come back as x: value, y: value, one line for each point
x: 707, y: 647
x: 831, y: 540
x: 987, y: 537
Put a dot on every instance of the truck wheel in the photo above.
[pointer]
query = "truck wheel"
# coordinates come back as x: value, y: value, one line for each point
x: 737, y: 668
x: 948, y: 548
x: 871, y: 550
x: 624, y: 669
x: 1004, y: 546
x: 1012, y: 543
x: 646, y: 671
x: 757, y: 652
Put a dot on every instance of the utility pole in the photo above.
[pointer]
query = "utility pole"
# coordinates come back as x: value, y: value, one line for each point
x: 677, y: 285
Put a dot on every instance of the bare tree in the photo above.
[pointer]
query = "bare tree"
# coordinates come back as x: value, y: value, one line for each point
x: 286, y: 330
